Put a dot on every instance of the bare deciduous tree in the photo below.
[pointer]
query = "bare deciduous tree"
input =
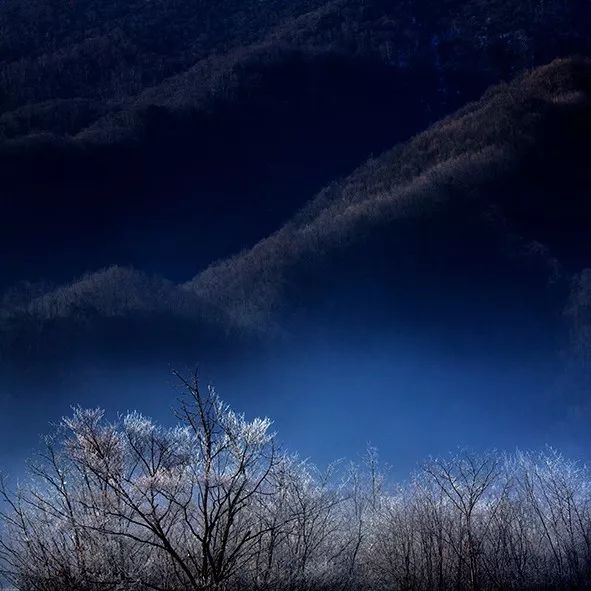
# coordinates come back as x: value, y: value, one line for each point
x: 212, y: 505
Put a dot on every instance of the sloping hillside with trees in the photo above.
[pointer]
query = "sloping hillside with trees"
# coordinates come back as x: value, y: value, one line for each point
x: 467, y: 202
x: 106, y: 107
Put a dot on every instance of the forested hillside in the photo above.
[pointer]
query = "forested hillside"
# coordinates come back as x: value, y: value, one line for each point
x: 107, y: 108
x: 103, y: 54
x: 495, y: 197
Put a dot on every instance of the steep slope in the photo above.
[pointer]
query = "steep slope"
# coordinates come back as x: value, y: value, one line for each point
x: 199, y: 110
x: 491, y: 205
x: 514, y: 164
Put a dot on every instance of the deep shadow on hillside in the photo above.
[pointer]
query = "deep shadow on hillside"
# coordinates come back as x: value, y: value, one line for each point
x: 140, y: 149
x: 472, y: 231
x: 508, y: 173
x: 202, y: 173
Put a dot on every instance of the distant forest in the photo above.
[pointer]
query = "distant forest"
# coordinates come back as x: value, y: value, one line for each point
x: 82, y: 66
x: 228, y: 107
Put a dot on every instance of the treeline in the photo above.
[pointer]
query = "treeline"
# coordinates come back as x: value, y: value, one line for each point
x: 213, y: 503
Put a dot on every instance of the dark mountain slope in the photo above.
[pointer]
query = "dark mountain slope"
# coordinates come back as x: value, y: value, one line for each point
x: 108, y: 52
x: 515, y: 164
x: 491, y: 205
x: 232, y: 106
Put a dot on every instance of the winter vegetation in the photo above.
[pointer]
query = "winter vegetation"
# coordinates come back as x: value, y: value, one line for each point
x: 214, y: 503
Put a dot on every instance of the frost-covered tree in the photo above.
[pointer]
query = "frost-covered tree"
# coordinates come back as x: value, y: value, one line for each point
x: 212, y: 505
